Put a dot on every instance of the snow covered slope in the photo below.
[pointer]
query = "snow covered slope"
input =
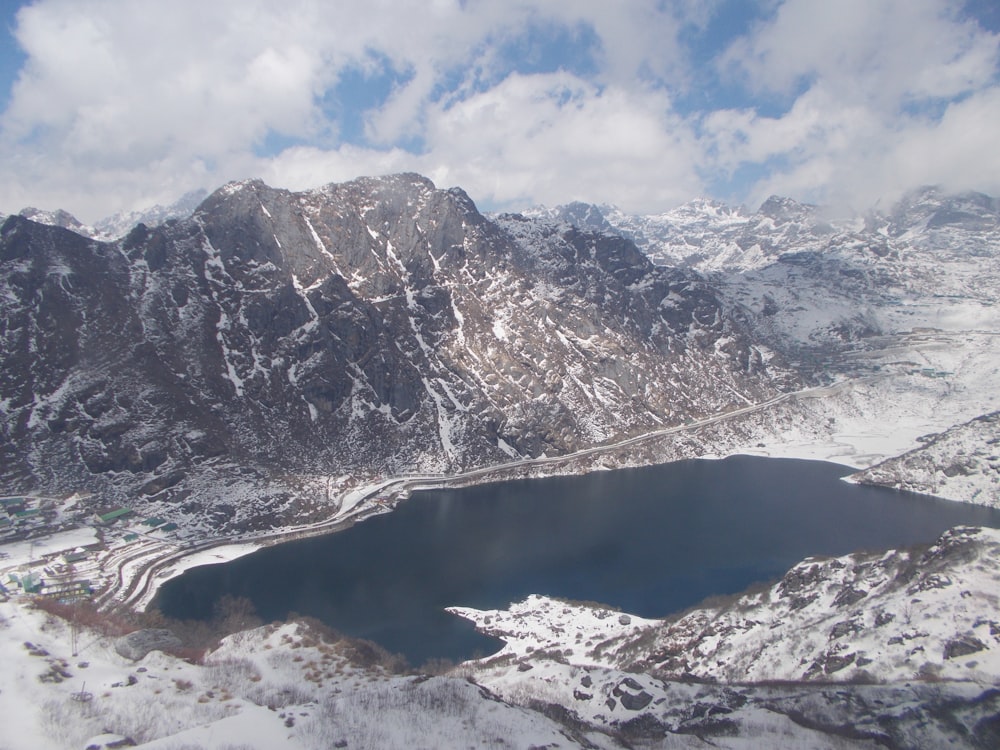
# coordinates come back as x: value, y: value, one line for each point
x: 889, y: 650
x: 296, y: 686
x: 884, y: 620
x: 962, y: 463
x: 887, y: 617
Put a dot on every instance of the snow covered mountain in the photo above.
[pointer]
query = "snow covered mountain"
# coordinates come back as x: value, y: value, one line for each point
x: 933, y: 260
x: 116, y: 226
x: 901, y: 302
x: 375, y: 328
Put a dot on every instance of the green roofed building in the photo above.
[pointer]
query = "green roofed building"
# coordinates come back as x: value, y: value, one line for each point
x: 114, y: 515
x: 22, y: 515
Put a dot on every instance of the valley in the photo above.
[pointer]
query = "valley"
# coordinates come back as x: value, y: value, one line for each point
x: 278, y: 365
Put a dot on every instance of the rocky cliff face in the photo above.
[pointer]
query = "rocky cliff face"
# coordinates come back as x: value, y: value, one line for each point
x: 376, y: 327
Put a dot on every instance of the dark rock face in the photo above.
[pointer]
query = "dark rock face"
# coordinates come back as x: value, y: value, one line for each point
x: 377, y: 327
x: 963, y: 645
x: 136, y: 645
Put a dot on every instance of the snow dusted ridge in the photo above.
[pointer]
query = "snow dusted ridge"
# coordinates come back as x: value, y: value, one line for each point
x: 885, y: 619
x: 900, y: 649
x: 962, y: 463
x: 118, y: 225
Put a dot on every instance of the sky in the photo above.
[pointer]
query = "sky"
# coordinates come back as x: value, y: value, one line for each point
x: 111, y: 105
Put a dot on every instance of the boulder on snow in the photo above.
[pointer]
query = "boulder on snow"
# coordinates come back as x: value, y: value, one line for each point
x: 109, y: 742
x: 136, y: 645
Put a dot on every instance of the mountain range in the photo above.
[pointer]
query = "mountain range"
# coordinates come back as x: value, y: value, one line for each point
x: 240, y: 361
x: 270, y: 360
x: 379, y: 327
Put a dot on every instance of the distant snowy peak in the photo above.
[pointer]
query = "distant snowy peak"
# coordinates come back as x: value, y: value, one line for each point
x: 118, y: 225
x: 578, y: 214
x: 783, y: 210
x: 930, y: 208
x: 59, y: 218
x: 709, y: 236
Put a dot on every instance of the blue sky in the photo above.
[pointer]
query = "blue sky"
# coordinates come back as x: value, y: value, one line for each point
x: 108, y: 105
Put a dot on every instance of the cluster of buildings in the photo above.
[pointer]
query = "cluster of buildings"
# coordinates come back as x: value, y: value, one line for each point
x: 18, y: 513
x: 30, y: 524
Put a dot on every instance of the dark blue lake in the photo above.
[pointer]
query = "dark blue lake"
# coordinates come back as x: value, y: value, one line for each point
x: 651, y: 541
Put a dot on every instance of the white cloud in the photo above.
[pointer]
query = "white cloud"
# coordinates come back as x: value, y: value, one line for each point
x: 554, y: 138
x: 960, y: 151
x: 868, y: 83
x: 123, y: 103
x: 120, y: 101
x: 883, y: 53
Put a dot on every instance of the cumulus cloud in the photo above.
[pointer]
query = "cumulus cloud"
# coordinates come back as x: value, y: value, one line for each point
x: 865, y: 82
x: 122, y: 103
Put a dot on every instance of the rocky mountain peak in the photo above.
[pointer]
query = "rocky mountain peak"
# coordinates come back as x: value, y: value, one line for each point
x: 784, y: 210
x: 931, y: 208
x: 58, y: 218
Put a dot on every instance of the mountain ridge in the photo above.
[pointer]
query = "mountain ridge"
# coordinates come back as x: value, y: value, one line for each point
x: 373, y: 328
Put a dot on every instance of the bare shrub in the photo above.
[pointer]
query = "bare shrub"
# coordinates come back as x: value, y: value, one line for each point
x: 86, y: 614
x: 238, y: 676
x: 437, y: 666
x: 69, y: 723
x: 276, y: 696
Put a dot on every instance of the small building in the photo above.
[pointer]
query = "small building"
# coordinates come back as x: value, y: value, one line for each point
x: 170, y: 527
x: 12, y: 504
x: 154, y: 522
x: 31, y: 583
x: 24, y: 515
x: 70, y: 591
x: 130, y: 537
x: 110, y: 517
x: 75, y: 557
